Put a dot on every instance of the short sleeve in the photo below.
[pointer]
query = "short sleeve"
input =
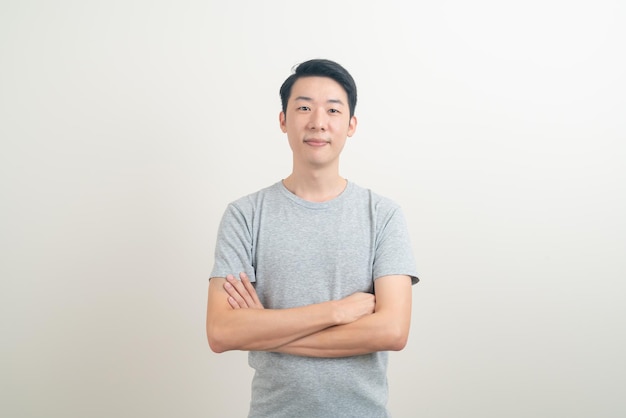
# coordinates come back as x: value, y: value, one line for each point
x: 234, y: 246
x: 393, y: 253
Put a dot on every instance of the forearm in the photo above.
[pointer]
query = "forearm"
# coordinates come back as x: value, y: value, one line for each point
x: 369, y: 334
x: 266, y: 329
x: 236, y: 319
x: 386, y: 329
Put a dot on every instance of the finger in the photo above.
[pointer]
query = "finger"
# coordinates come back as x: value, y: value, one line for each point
x: 245, y: 289
x: 250, y: 288
x: 242, y: 293
x: 230, y: 288
x: 233, y: 303
x: 233, y: 296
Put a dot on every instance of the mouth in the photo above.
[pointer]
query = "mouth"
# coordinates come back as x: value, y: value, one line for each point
x: 316, y: 142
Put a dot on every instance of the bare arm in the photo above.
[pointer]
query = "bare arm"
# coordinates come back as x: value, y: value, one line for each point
x: 386, y: 329
x: 231, y: 328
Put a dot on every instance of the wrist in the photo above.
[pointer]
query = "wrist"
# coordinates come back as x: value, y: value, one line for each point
x: 338, y: 315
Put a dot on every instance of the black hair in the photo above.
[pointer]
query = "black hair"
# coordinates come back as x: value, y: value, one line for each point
x: 320, y: 68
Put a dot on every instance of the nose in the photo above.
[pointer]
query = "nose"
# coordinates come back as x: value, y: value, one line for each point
x: 318, y: 120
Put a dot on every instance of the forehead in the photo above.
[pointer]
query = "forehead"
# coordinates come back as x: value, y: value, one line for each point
x: 318, y: 89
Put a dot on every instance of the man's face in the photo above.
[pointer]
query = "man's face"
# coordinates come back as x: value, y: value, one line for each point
x: 317, y: 121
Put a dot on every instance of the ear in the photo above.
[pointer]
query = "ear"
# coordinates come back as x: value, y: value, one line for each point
x: 282, y: 118
x: 352, y: 126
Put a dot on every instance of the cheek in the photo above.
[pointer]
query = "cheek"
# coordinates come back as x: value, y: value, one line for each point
x: 342, y: 126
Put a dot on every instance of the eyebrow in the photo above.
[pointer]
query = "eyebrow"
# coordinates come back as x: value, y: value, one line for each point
x: 308, y: 99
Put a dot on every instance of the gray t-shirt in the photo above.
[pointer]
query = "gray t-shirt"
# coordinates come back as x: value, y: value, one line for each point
x: 299, y: 253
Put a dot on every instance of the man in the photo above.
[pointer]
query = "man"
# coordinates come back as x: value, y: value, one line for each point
x: 324, y: 269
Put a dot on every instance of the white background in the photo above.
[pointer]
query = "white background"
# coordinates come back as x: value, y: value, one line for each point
x: 127, y: 126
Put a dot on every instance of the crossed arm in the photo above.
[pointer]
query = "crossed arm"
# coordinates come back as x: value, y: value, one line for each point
x: 358, y: 324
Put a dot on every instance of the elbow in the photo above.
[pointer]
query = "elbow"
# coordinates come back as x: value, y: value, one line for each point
x: 396, y: 339
x: 399, y: 343
x: 216, y: 346
x: 217, y: 341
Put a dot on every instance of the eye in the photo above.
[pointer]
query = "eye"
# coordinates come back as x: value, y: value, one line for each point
x: 304, y: 108
x: 333, y: 111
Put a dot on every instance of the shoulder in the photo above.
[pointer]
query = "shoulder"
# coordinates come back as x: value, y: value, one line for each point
x: 377, y: 202
x: 250, y: 202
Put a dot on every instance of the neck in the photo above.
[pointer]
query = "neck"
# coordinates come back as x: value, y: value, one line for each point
x: 315, y: 186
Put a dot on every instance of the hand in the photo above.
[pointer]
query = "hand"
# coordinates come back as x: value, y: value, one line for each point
x: 355, y: 306
x: 241, y: 293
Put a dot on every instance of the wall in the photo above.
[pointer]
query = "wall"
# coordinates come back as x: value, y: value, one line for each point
x: 127, y: 126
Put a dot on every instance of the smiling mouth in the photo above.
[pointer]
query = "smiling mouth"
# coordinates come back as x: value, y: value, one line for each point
x: 316, y: 142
